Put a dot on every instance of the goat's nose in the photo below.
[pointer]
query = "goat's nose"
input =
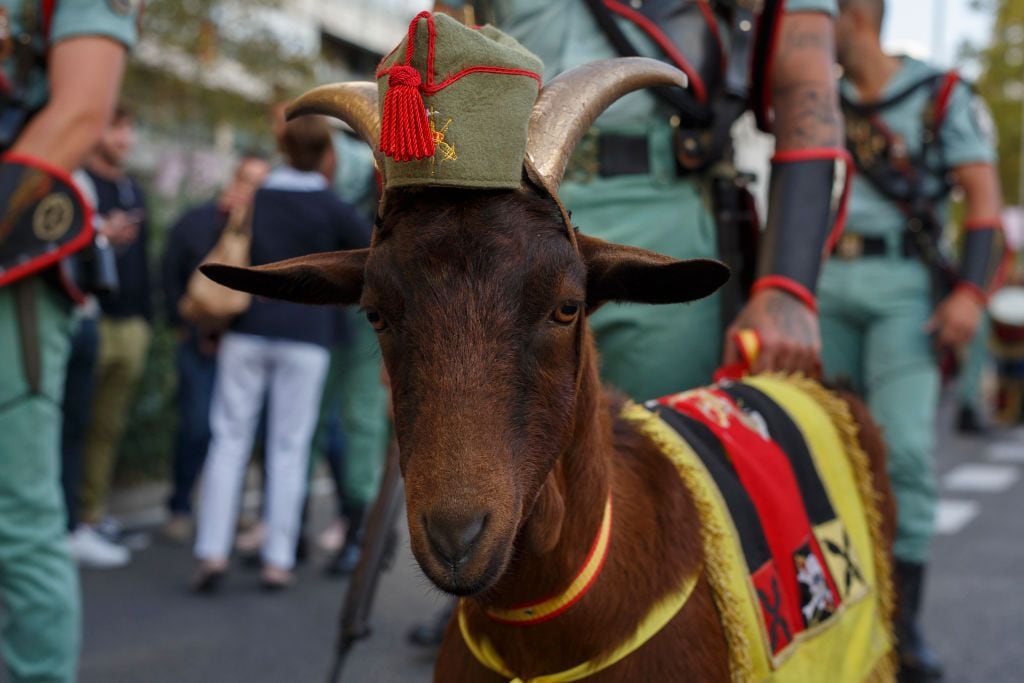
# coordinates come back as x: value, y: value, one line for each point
x: 453, y: 535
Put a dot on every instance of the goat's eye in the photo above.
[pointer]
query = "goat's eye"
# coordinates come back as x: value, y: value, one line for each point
x: 566, y: 312
x: 375, y: 319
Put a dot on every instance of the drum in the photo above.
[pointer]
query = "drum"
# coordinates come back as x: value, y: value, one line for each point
x: 1006, y: 310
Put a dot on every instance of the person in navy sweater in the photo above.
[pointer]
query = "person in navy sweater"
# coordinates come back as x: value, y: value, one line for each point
x: 190, y: 240
x: 276, y: 351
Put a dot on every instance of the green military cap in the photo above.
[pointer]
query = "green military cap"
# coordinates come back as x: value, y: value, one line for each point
x: 456, y: 105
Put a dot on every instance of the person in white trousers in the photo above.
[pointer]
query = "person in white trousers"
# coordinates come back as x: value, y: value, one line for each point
x: 291, y: 376
x: 274, y: 353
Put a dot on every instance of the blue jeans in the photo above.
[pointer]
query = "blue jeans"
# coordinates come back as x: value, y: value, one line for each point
x: 196, y: 371
x: 79, y: 383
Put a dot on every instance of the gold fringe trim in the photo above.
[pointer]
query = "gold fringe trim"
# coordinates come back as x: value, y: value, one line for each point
x: 714, y: 536
x: 885, y: 669
x: 839, y: 412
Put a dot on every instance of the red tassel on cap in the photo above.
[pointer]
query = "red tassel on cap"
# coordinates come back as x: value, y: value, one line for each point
x: 404, y: 128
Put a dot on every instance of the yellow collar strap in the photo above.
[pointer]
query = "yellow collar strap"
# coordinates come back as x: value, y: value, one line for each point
x: 660, y: 614
x: 549, y: 608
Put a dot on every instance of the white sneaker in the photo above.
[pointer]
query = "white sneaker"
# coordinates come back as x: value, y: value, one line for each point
x: 90, y: 549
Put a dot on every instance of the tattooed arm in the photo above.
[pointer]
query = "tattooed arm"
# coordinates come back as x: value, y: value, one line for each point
x: 804, y: 92
x: 806, y: 107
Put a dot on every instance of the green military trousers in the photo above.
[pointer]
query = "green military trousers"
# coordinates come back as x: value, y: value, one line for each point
x: 650, y: 351
x: 354, y: 384
x: 39, y: 601
x: 873, y: 313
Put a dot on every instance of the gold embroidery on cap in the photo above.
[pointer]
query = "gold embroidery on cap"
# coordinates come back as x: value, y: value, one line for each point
x: 446, y: 149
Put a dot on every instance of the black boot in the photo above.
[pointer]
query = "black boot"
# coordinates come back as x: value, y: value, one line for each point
x: 302, y: 549
x: 918, y: 664
x: 431, y: 633
x: 345, y: 560
x: 969, y: 421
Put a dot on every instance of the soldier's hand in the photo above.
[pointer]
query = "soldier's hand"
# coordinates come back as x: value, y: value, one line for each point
x: 955, y: 320
x: 790, y: 338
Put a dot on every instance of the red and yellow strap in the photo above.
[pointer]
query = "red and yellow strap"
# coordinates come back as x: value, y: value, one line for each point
x: 549, y: 608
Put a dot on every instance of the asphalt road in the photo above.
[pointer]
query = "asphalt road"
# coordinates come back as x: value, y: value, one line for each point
x: 141, y: 624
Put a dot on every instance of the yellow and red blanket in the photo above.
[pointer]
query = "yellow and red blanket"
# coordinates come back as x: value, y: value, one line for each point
x: 792, y: 535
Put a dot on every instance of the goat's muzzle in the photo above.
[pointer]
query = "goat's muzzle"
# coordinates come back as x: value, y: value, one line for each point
x: 454, y: 536
x: 462, y: 551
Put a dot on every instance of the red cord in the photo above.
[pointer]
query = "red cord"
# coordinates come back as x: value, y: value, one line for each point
x: 788, y: 286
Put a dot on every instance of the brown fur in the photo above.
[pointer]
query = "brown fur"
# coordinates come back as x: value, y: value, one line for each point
x: 500, y: 416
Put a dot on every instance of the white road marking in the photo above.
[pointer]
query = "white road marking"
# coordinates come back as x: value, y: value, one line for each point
x: 953, y: 515
x: 981, y: 478
x: 1007, y: 452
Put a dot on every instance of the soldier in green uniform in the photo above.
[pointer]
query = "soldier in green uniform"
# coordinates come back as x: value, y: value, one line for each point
x: 61, y: 72
x: 650, y: 170
x: 889, y: 301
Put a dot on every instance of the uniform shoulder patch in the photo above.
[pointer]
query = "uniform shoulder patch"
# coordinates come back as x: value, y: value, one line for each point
x: 982, y: 119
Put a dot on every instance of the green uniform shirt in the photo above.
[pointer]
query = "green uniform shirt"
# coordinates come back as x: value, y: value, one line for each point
x: 966, y: 137
x: 564, y: 35
x: 114, y: 19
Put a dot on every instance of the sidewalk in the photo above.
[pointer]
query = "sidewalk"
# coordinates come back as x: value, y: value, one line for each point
x: 145, y: 506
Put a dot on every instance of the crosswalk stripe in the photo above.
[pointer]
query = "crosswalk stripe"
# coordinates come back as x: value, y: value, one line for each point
x: 952, y: 516
x: 1006, y: 452
x: 981, y: 478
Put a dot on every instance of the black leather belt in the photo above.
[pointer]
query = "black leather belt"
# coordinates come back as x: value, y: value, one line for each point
x: 623, y: 155
x: 853, y: 246
x: 608, y: 155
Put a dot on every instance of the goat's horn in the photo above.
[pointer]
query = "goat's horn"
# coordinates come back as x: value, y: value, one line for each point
x: 569, y: 104
x: 354, y: 103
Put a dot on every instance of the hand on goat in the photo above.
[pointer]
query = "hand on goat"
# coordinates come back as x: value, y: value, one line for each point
x: 790, y: 338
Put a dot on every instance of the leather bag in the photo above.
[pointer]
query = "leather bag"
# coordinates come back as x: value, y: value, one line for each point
x: 211, y: 305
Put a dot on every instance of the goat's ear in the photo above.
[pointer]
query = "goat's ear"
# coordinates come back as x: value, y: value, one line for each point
x: 334, y: 277
x: 616, y: 272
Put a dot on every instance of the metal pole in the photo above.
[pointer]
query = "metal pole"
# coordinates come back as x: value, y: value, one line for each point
x: 938, y: 30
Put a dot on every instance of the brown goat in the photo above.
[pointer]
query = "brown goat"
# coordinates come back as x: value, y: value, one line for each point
x: 509, y: 444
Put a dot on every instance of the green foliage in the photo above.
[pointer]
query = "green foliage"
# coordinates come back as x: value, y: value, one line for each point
x: 1002, y: 86
x: 176, y: 93
x: 148, y: 445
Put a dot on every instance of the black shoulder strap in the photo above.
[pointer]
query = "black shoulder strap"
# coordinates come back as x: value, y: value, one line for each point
x: 677, y: 98
x: 759, y: 63
x: 25, y: 301
x: 880, y: 105
x: 903, y: 185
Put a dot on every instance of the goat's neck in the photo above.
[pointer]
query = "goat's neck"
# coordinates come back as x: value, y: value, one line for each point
x: 643, y: 562
x: 585, y: 484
